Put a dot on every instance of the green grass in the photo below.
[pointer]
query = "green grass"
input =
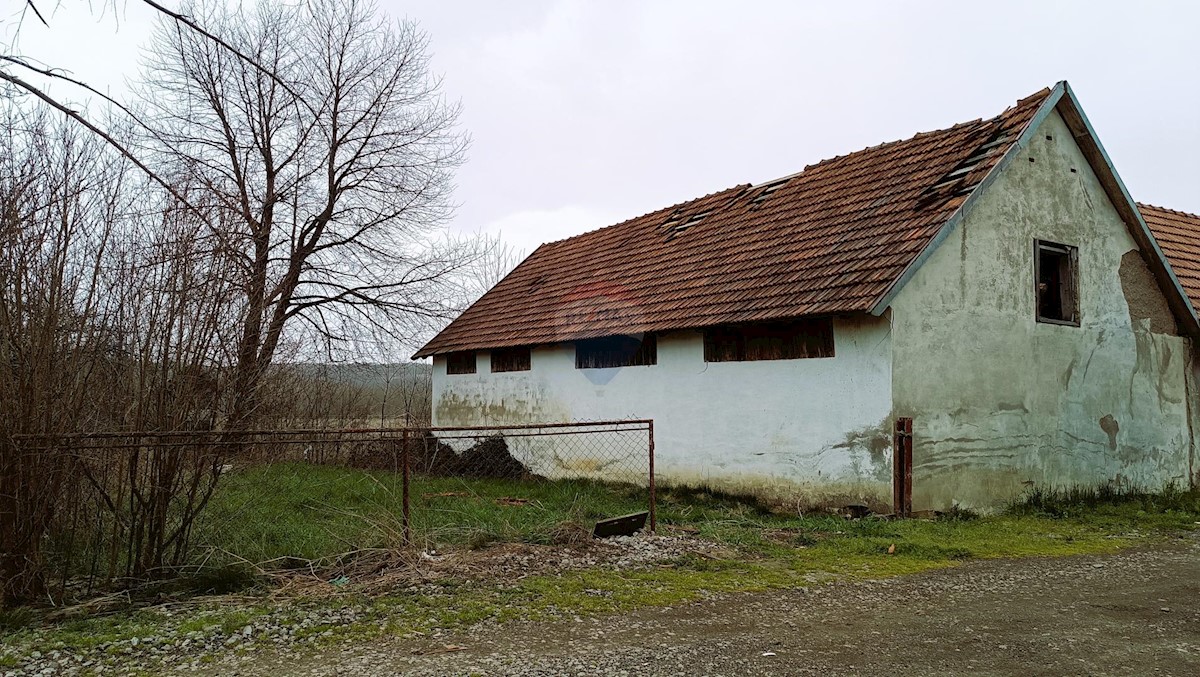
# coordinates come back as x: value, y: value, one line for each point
x: 313, y: 512
x: 309, y: 512
x: 1113, y: 505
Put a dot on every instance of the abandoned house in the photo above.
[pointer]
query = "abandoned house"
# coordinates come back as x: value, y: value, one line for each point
x: 991, y: 287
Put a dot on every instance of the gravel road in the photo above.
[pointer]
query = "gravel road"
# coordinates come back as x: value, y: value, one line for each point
x: 1137, y: 612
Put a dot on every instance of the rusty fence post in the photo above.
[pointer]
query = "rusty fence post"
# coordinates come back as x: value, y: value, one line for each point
x: 902, y: 468
x: 404, y: 462
x: 653, y: 506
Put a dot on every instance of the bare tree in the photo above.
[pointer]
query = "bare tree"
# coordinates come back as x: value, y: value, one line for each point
x: 15, y: 69
x: 47, y: 346
x: 331, y: 195
x: 111, y: 317
x: 295, y: 165
x: 495, y: 261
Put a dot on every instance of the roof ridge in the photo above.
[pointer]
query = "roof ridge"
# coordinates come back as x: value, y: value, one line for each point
x: 914, y: 137
x: 977, y: 121
x: 1168, y: 209
x: 677, y: 205
x: 1041, y: 94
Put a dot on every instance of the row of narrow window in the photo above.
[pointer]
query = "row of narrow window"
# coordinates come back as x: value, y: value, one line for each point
x: 792, y: 340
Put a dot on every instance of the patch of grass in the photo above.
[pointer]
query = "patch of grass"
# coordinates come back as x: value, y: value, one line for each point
x: 90, y: 632
x: 306, y: 512
x: 1112, y: 503
x: 311, y: 512
x: 15, y: 619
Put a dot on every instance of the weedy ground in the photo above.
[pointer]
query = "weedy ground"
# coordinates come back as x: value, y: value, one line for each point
x: 307, y: 516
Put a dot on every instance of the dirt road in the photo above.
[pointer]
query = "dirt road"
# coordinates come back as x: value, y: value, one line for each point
x: 1134, y: 613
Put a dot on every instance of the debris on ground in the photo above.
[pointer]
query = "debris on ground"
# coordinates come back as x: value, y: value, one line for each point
x: 625, y: 525
x: 297, y: 618
x: 488, y: 458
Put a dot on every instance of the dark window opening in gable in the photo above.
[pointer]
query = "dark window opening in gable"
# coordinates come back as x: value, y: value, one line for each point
x: 1056, y: 271
x: 460, y: 362
x: 793, y: 340
x: 616, y: 351
x: 510, y: 359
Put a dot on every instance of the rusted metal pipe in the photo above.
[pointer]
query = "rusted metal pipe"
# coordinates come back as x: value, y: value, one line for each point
x: 328, y: 431
x: 653, y: 507
x: 902, y: 468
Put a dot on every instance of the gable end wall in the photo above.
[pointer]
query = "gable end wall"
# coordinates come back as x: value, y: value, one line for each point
x: 1002, y: 403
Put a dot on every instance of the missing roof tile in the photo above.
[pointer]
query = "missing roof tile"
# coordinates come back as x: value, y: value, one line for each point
x: 767, y: 191
x: 954, y: 182
x: 677, y: 224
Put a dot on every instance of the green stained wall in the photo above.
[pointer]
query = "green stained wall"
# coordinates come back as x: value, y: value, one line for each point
x: 1001, y: 402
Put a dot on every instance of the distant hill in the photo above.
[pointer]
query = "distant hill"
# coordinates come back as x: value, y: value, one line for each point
x: 366, y: 374
x: 377, y: 391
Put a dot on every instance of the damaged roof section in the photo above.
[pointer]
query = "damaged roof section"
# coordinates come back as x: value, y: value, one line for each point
x: 834, y: 238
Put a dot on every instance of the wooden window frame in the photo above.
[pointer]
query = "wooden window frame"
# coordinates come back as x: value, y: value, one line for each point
x: 611, y: 352
x: 506, y: 360
x: 1068, y: 285
x: 464, y: 355
x: 804, y: 339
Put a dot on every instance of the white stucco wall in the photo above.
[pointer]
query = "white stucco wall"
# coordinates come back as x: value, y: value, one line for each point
x: 812, y: 430
x: 1001, y: 402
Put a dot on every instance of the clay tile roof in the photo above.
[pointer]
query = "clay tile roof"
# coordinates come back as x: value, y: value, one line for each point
x: 831, y: 239
x: 1178, y: 235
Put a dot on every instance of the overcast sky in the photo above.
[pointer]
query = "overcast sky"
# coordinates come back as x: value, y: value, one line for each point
x: 583, y: 114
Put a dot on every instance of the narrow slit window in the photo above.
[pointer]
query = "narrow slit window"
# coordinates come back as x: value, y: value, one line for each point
x: 1056, y: 272
x: 460, y: 363
x: 617, y: 351
x: 510, y: 359
x: 794, y: 340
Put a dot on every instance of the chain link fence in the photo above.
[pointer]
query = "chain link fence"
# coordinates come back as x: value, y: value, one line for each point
x: 145, y: 505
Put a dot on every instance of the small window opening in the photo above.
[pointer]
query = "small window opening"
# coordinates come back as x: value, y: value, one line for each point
x: 1056, y: 269
x: 460, y: 362
x: 616, y: 351
x: 798, y: 339
x: 510, y: 359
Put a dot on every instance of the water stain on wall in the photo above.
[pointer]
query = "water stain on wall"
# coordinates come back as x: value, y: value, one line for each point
x: 1110, y: 427
x: 876, y: 441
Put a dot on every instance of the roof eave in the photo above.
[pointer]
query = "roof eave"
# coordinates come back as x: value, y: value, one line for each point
x: 430, y: 348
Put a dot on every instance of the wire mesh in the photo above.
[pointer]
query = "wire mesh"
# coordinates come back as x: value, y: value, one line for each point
x: 141, y: 505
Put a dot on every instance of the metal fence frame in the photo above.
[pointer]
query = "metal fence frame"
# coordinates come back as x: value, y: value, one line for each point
x: 183, y: 439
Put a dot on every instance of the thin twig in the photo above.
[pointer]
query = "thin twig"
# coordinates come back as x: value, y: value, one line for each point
x: 95, y: 130
x: 190, y: 23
